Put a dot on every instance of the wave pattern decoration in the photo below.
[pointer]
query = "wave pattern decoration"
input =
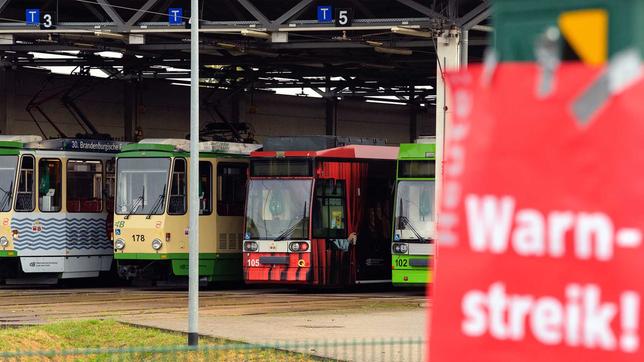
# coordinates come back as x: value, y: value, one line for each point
x: 60, y: 234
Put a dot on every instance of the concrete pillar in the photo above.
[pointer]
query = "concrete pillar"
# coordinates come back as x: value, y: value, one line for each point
x: 7, y: 91
x: 234, y: 107
x: 130, y: 109
x: 331, y: 105
x: 448, y: 55
x: 413, y: 116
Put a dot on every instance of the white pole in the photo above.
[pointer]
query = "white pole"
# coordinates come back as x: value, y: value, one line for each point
x: 193, y: 200
x: 448, y: 57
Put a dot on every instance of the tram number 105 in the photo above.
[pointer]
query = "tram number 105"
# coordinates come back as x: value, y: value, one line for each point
x: 402, y: 263
x: 252, y: 262
x: 138, y: 237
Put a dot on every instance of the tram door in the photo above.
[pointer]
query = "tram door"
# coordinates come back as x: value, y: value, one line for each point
x: 109, y: 188
x: 373, y: 246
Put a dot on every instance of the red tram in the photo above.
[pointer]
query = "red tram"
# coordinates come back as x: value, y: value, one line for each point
x: 319, y: 218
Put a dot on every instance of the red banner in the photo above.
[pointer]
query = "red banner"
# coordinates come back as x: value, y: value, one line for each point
x: 540, y: 253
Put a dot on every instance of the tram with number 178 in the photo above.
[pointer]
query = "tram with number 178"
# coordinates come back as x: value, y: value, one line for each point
x: 414, y: 231
x: 56, y: 200
x: 151, y: 211
x: 319, y: 217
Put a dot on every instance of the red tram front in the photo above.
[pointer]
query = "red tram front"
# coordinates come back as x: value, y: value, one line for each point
x: 319, y: 217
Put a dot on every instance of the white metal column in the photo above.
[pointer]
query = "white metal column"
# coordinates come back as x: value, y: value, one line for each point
x: 448, y: 54
x: 193, y: 199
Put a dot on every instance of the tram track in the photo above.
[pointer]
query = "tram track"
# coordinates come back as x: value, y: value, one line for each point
x: 28, y: 306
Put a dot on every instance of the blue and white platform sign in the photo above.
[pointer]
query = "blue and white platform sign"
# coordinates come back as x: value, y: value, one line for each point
x: 32, y: 16
x: 325, y: 14
x: 175, y: 16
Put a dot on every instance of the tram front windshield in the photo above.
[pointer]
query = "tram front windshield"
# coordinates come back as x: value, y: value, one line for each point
x: 415, y: 211
x: 278, y: 209
x: 7, y: 179
x: 142, y: 185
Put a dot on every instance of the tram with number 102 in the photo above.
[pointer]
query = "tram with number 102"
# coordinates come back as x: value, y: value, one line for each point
x: 319, y: 217
x: 55, y: 208
x: 414, y: 231
x: 151, y: 211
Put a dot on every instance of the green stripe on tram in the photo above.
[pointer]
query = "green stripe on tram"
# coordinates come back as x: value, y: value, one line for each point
x: 217, y: 266
x: 8, y: 253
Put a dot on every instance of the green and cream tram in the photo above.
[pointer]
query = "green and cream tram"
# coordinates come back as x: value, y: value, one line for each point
x: 151, y: 211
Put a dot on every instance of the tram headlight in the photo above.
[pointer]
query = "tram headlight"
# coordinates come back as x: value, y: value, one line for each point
x: 298, y: 246
x: 400, y: 248
x: 4, y: 241
x: 156, y: 244
x: 119, y: 244
x: 251, y: 246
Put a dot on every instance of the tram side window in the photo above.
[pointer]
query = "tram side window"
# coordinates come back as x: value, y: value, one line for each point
x: 49, y: 184
x: 178, y: 200
x: 84, y: 186
x: 205, y: 188
x: 26, y: 185
x: 231, y: 188
x: 329, y: 219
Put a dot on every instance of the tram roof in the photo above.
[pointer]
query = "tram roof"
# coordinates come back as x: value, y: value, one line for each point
x: 346, y: 152
x: 417, y: 150
x: 173, y: 145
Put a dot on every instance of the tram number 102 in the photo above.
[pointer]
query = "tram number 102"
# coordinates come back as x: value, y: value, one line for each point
x: 138, y: 237
x: 402, y: 263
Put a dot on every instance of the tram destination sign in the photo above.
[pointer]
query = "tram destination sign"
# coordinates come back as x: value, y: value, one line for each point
x: 83, y: 145
x: 541, y: 221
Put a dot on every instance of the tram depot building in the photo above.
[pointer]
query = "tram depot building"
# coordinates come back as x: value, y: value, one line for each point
x: 321, y: 135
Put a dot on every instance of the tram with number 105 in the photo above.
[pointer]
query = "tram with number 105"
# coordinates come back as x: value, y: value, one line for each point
x: 151, y: 211
x: 319, y: 217
x: 414, y: 231
x: 56, y: 200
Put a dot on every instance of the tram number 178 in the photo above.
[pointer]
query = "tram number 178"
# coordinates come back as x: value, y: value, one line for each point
x: 138, y: 237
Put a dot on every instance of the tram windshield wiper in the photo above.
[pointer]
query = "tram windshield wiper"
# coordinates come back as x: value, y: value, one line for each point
x: 404, y: 220
x: 7, y: 196
x: 157, y: 204
x: 291, y: 228
x: 138, y: 202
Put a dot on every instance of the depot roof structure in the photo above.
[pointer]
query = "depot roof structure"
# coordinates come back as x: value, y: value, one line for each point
x: 343, y: 48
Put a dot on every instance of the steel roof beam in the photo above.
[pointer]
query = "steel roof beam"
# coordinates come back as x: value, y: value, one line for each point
x: 139, y: 13
x: 225, y: 27
x: 344, y: 45
x: 109, y: 10
x: 291, y: 13
x: 422, y: 9
x: 255, y: 12
x: 166, y: 4
x: 3, y: 4
x: 474, y: 17
x: 365, y: 10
